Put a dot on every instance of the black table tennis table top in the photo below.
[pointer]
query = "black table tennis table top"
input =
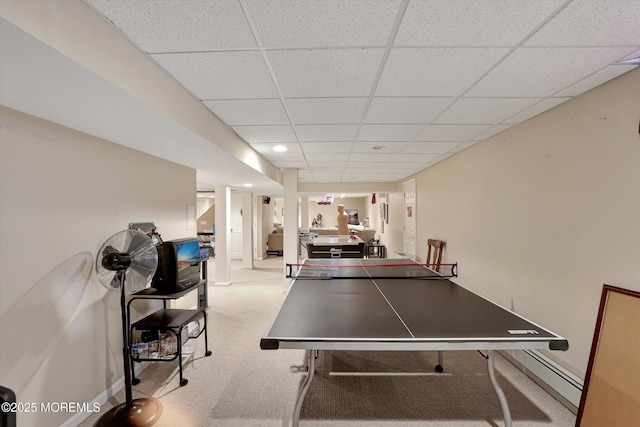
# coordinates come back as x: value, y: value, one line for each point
x: 364, y: 309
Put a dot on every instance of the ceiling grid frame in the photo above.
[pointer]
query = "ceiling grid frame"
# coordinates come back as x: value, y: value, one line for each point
x: 336, y: 32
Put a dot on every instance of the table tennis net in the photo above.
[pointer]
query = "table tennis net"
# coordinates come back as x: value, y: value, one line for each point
x: 399, y: 270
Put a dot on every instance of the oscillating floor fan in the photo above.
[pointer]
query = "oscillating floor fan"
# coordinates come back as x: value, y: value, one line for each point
x: 126, y: 263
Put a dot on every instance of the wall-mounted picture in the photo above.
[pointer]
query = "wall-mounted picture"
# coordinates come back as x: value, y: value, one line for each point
x: 353, y: 216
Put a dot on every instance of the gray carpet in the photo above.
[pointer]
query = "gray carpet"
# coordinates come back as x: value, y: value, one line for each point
x: 241, y: 385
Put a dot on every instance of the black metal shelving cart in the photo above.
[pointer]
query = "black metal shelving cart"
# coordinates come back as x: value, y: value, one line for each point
x: 164, y: 333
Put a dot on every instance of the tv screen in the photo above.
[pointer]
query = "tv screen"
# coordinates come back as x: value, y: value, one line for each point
x: 188, y: 262
x: 178, y: 265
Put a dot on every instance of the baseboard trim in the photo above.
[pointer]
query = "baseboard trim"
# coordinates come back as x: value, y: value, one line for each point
x: 555, y: 380
x: 102, y: 398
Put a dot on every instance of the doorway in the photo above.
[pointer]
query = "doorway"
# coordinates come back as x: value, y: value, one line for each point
x: 409, y: 221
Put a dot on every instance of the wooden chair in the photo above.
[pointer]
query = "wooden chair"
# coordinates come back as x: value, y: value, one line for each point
x: 434, y: 252
x: 434, y: 256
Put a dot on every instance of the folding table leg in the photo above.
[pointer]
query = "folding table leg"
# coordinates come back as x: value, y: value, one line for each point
x: 311, y: 355
x: 501, y: 397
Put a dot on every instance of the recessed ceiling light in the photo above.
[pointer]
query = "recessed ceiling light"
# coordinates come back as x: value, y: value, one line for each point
x: 379, y: 147
x: 248, y: 184
x: 280, y: 148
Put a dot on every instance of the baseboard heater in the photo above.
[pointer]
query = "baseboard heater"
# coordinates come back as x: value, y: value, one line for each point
x: 557, y: 381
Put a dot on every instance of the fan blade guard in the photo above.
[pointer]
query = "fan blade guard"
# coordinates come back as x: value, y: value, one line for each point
x: 128, y: 245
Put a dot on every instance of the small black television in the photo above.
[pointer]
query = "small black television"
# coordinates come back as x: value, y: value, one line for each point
x: 178, y: 265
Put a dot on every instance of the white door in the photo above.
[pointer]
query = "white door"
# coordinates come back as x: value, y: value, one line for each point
x: 409, y: 214
x: 236, y: 226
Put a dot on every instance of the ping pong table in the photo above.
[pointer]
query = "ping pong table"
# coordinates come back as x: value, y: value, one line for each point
x: 386, y: 305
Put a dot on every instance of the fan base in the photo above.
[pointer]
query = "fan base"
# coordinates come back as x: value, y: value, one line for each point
x: 142, y: 413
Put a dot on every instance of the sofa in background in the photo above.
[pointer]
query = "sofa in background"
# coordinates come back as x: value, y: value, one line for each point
x: 275, y: 242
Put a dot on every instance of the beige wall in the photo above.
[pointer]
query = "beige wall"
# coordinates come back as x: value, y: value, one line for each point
x: 330, y: 212
x: 207, y: 220
x: 63, y: 193
x: 542, y: 215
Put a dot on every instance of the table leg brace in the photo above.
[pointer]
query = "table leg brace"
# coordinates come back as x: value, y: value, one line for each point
x: 311, y: 369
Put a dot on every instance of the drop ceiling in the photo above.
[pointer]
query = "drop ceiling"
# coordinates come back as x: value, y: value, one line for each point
x: 377, y: 90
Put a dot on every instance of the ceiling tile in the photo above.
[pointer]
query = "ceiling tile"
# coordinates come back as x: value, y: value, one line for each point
x: 415, y: 158
x: 368, y: 146
x: 388, y: 132
x: 221, y: 75
x: 249, y: 111
x: 325, y: 147
x: 450, y: 132
x: 286, y: 23
x: 327, y: 160
x: 459, y: 148
x: 596, y: 79
x: 494, y: 130
x: 308, y: 74
x: 592, y: 23
x: 555, y: 69
x: 484, y: 110
x: 326, y: 110
x: 370, y: 157
x: 400, y: 166
x: 435, y: 147
x: 435, y: 71
x: 371, y: 177
x: 328, y: 157
x: 176, y: 26
x: 534, y: 110
x: 277, y: 133
x: 633, y: 55
x: 325, y: 72
x: 387, y: 169
x: 328, y: 169
x: 471, y: 23
x: 286, y: 157
x: 405, y: 110
x: 316, y: 133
